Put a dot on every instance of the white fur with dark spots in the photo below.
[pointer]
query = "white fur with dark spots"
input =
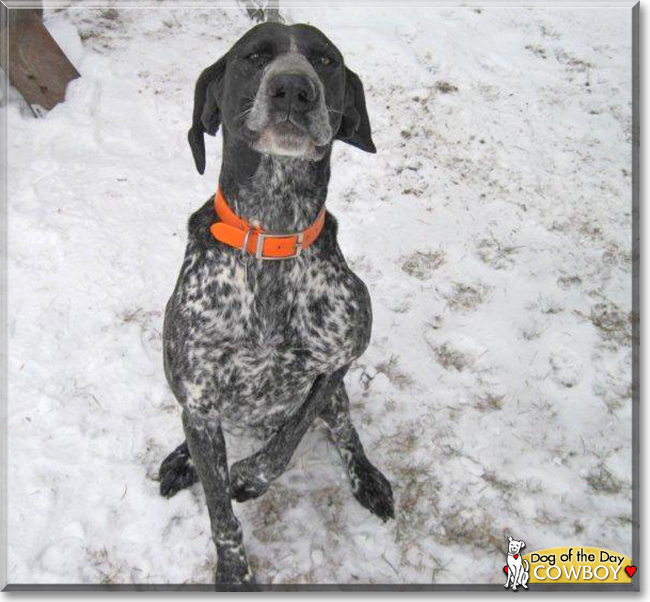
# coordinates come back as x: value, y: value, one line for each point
x: 261, y: 346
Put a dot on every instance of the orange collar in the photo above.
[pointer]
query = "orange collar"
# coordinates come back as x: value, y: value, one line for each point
x: 238, y: 233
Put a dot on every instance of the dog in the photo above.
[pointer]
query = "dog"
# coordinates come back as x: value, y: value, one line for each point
x: 517, y: 573
x: 266, y: 316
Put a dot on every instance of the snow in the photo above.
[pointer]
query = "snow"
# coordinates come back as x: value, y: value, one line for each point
x: 492, y: 229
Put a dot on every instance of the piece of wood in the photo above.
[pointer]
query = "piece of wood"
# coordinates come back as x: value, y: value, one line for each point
x: 273, y: 11
x: 36, y: 65
x: 259, y: 13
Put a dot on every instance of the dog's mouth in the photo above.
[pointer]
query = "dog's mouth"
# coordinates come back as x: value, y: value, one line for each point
x: 289, y: 134
x: 289, y: 139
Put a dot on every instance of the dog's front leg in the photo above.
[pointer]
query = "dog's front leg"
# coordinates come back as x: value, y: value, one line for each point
x: 369, y: 485
x: 208, y: 450
x: 252, y: 476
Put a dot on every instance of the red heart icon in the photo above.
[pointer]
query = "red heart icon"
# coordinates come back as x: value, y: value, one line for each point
x: 516, y: 556
x: 505, y: 568
x: 630, y: 570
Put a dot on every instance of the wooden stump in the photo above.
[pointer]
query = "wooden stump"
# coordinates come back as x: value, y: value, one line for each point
x: 271, y: 13
x: 36, y: 65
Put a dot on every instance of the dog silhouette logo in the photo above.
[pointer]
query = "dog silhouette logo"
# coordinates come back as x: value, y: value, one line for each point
x: 516, y: 568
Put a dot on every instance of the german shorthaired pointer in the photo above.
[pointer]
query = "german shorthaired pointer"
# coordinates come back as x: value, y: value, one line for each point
x: 266, y: 316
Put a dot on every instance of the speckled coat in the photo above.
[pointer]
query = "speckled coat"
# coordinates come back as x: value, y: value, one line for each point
x: 245, y: 338
x: 262, y: 346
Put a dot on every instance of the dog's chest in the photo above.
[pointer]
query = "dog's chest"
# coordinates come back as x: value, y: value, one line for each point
x: 273, y: 304
x: 247, y: 343
x: 262, y: 334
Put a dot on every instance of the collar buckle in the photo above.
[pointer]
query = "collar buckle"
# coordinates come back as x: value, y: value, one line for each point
x: 262, y: 236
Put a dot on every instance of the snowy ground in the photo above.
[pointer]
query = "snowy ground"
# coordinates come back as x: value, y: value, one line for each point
x: 492, y: 228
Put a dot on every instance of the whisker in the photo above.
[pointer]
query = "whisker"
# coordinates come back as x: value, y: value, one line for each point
x: 246, y: 111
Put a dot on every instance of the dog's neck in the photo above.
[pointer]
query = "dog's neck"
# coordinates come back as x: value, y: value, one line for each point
x: 278, y: 194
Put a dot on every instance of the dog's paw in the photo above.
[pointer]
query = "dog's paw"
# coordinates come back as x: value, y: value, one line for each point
x: 244, y: 483
x: 372, y: 490
x: 239, y: 581
x: 234, y: 570
x: 177, y: 472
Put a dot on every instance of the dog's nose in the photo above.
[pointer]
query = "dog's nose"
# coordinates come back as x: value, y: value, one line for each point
x: 290, y: 91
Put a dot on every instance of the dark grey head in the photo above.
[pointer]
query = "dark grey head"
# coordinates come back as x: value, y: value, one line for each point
x: 281, y: 90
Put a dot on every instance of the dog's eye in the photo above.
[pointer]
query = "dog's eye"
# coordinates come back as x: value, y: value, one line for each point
x: 322, y: 59
x: 258, y: 57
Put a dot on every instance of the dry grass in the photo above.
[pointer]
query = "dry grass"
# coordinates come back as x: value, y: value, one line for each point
x: 567, y: 282
x: 537, y: 50
x: 404, y: 442
x: 445, y: 87
x: 449, y: 358
x: 591, y: 231
x: 471, y: 528
x: 437, y: 569
x: 149, y: 322
x: 613, y: 324
x: 108, y: 572
x: 496, y: 255
x: 466, y: 297
x: 394, y: 373
x: 545, y: 408
x: 416, y: 503
x: 489, y: 402
x: 602, y: 480
x: 624, y: 520
x: 263, y: 567
x: 533, y: 487
x: 269, y: 522
x: 614, y: 394
x: 547, y: 32
x: 390, y: 405
x: 578, y: 527
x: 546, y: 305
x: 573, y: 62
x: 506, y: 488
x: 546, y: 519
x: 532, y: 331
x: 328, y: 503
x: 422, y: 265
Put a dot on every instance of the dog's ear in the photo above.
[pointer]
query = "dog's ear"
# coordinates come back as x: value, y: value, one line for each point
x: 509, y: 537
x: 523, y: 544
x: 206, y: 116
x: 355, y: 124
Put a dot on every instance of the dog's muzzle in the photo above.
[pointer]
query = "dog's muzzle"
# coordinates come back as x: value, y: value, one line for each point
x: 289, y: 114
x: 290, y: 92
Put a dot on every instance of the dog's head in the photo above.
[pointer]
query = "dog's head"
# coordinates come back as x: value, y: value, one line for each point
x: 281, y: 90
x: 515, y: 545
